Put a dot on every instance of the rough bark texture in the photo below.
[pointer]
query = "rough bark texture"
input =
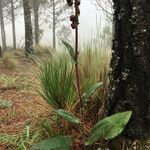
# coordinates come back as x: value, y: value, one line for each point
x: 13, y: 24
x: 36, y: 21
x: 3, y: 35
x: 28, y: 28
x: 130, y: 65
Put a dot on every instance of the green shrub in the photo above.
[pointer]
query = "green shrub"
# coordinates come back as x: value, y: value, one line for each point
x: 8, y: 139
x: 20, y: 141
x: 57, y: 87
x: 8, y: 61
x: 8, y: 81
x: 5, y: 103
x: 40, y: 50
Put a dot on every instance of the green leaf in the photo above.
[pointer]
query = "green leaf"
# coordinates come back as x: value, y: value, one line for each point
x: 67, y: 115
x: 56, y: 80
x: 55, y: 143
x: 5, y: 103
x: 91, y: 91
x: 27, y: 132
x: 109, y: 127
x: 8, y: 139
x: 69, y: 48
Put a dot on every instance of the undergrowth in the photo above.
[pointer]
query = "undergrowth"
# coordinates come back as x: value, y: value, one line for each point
x: 60, y: 81
x: 9, y: 61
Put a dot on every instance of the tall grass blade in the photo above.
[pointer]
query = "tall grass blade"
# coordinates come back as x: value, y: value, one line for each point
x: 57, y: 87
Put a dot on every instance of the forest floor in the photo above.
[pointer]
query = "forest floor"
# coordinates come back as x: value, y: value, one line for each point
x: 18, y: 85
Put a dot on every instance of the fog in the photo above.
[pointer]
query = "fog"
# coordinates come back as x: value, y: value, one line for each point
x: 87, y: 26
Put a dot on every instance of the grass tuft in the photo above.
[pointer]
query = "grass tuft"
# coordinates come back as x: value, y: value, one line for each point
x: 9, y: 61
x: 5, y: 103
x: 56, y: 79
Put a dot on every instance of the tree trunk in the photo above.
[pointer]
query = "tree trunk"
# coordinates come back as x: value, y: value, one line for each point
x: 28, y: 28
x: 36, y: 21
x: 54, y: 26
x: 13, y: 24
x: 130, y: 65
x: 3, y: 35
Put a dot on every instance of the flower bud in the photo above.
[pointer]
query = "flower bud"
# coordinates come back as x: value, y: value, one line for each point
x: 70, y: 2
x: 74, y: 25
x: 78, y: 3
x: 73, y: 18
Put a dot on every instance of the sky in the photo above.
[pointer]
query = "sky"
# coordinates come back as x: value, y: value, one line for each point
x: 87, y: 26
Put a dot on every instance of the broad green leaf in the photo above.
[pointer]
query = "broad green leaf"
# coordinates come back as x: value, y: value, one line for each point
x: 92, y: 90
x: 109, y: 127
x: 67, y: 115
x: 55, y: 143
x: 69, y: 48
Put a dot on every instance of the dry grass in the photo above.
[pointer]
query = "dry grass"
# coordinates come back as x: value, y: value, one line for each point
x: 9, y: 61
x: 28, y: 108
x: 19, y: 85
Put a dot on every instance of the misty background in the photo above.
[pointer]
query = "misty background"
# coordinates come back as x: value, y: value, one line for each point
x: 92, y: 21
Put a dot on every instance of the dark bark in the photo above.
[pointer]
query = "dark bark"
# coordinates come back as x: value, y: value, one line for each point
x: 28, y: 28
x: 36, y: 21
x: 13, y: 24
x: 3, y: 35
x: 130, y: 65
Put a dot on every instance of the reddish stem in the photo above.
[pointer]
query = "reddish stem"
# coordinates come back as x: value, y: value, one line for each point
x: 77, y: 74
x: 77, y: 69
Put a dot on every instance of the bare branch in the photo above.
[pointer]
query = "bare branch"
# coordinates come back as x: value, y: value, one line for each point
x: 103, y: 9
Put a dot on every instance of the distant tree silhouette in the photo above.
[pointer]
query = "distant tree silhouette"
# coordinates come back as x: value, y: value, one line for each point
x: 28, y: 28
x: 3, y: 34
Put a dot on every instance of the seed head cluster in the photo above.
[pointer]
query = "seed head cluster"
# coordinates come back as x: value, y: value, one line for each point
x: 74, y: 18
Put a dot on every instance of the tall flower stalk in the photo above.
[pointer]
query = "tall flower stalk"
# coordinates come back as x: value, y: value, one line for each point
x: 75, y: 22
